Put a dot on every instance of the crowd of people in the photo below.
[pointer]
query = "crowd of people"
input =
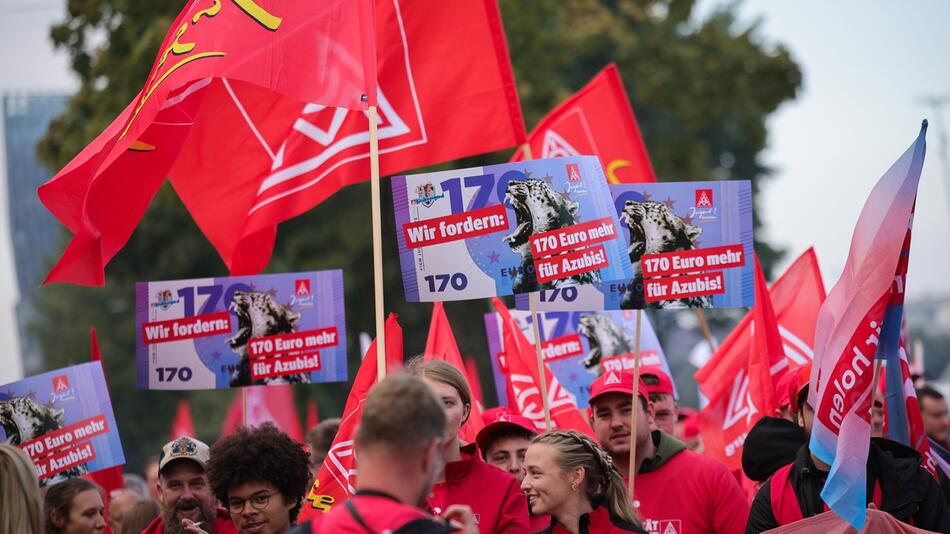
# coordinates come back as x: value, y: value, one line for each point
x: 415, y: 474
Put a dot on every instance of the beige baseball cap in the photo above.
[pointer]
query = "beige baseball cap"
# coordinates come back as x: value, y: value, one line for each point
x: 184, y: 448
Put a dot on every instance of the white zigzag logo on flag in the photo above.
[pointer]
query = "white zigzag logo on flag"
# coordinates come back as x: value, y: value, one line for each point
x: 528, y: 397
x: 740, y: 402
x: 556, y: 146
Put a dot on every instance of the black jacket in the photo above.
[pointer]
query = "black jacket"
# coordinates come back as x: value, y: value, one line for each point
x: 907, y: 490
x: 772, y: 443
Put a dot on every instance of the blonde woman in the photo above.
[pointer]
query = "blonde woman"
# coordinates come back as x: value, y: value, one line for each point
x: 21, y: 508
x: 571, y: 478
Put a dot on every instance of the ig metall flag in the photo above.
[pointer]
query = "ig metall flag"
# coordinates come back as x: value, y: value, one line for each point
x: 851, y: 325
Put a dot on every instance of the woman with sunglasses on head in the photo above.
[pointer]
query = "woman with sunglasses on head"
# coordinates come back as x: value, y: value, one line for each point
x: 493, y: 495
x: 571, y: 478
x: 260, y: 475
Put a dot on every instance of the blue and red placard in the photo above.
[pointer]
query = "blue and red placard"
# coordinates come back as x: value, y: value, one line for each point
x: 63, y: 419
x: 578, y: 346
x: 209, y: 333
x: 689, y: 243
x: 507, y: 229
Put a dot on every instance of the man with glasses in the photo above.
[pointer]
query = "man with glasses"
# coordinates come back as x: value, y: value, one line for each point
x: 184, y: 492
x: 260, y: 475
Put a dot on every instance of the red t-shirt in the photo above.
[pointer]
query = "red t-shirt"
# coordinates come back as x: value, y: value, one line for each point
x: 499, y: 505
x: 692, y: 493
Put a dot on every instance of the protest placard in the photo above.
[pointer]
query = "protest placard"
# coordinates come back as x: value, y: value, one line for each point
x: 505, y: 229
x: 225, y: 332
x: 578, y: 346
x: 63, y: 420
x: 690, y: 246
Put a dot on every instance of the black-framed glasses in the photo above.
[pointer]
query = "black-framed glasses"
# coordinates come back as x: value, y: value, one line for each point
x: 258, y: 501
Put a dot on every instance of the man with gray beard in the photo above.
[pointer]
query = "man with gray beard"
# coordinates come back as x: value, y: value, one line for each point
x: 188, y: 507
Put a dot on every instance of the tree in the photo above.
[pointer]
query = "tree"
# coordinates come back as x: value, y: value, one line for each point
x: 702, y: 91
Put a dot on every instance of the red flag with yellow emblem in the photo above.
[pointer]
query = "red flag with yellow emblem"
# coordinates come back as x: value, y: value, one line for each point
x: 322, y: 52
x: 597, y: 120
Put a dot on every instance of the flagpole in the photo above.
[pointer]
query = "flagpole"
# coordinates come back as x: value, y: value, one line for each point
x: 632, y: 468
x: 535, y: 326
x: 244, y: 406
x: 704, y: 326
x: 377, y: 245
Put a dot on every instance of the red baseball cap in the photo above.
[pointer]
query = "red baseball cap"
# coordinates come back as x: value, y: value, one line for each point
x: 664, y: 384
x: 492, y: 414
x: 691, y: 426
x: 801, y: 382
x: 503, y: 420
x: 786, y: 389
x: 686, y: 412
x: 615, y: 382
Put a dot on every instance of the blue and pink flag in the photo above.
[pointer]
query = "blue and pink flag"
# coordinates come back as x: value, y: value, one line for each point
x: 855, y: 319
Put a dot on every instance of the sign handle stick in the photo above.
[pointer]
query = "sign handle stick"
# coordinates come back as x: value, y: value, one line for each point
x: 377, y: 245
x: 705, y: 328
x: 244, y: 406
x: 535, y: 325
x: 636, y: 409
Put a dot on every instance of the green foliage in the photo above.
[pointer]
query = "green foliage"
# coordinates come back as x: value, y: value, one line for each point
x: 702, y: 91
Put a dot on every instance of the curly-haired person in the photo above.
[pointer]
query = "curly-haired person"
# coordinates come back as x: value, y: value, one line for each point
x: 260, y: 475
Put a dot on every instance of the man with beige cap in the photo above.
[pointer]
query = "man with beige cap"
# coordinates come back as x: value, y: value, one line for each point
x: 184, y: 493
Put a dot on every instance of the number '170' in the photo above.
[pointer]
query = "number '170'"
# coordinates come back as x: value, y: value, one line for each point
x: 439, y: 282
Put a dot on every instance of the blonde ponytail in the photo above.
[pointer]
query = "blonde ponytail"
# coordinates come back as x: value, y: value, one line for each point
x: 602, y: 480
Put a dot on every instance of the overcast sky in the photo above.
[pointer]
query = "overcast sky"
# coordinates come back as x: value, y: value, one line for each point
x: 866, y: 68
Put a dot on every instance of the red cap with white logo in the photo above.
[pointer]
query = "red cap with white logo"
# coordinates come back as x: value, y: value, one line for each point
x: 615, y: 382
x: 501, y: 422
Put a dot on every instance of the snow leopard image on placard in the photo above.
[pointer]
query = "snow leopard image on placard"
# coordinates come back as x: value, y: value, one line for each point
x: 604, y: 338
x: 259, y: 315
x: 538, y: 209
x: 654, y: 229
x: 24, y: 419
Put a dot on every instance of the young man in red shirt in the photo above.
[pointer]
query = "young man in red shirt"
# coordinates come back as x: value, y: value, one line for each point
x: 400, y: 444
x: 504, y: 441
x: 676, y: 490
x: 662, y: 397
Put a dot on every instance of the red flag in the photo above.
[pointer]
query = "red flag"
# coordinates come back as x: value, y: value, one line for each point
x: 312, y: 53
x: 735, y: 381
x: 334, y: 483
x: 440, y: 345
x: 796, y: 297
x: 94, y: 353
x: 313, y: 416
x: 182, y: 424
x: 110, y: 478
x: 446, y: 91
x: 767, y: 352
x: 526, y: 381
x: 509, y: 389
x: 265, y: 404
x: 597, y: 120
x: 471, y: 371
